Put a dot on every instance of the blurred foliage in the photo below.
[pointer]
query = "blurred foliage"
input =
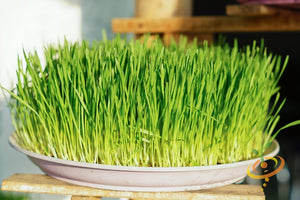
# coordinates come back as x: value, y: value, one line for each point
x: 13, y: 196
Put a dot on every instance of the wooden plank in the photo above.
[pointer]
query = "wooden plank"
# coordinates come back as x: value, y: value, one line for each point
x: 39, y: 183
x: 208, y: 24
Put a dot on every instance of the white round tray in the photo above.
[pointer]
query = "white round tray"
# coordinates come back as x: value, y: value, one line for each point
x: 154, y: 179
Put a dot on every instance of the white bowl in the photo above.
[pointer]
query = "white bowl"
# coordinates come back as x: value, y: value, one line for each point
x: 154, y: 179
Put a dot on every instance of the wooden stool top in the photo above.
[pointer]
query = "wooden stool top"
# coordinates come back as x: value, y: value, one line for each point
x: 39, y: 183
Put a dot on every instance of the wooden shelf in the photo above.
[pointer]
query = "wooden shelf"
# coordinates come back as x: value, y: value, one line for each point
x: 39, y: 183
x: 208, y: 24
x: 238, y: 19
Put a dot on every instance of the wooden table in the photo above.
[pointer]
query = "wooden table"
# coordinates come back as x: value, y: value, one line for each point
x: 39, y: 183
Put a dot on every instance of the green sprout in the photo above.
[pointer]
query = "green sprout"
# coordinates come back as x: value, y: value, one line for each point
x: 128, y: 103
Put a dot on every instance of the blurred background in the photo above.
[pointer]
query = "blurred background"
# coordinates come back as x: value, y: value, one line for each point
x: 30, y: 24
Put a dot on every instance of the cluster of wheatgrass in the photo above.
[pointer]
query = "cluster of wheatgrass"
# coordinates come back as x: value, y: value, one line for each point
x: 126, y: 103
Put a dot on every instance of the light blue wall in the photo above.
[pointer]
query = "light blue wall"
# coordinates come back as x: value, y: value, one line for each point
x: 97, y: 15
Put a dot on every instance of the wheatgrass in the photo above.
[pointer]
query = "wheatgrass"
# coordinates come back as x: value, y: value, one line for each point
x: 128, y: 103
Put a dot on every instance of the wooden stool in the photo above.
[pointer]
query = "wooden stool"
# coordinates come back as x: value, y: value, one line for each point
x: 39, y: 183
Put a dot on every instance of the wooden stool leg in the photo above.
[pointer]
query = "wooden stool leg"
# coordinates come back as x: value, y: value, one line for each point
x: 93, y: 198
x: 167, y: 37
x: 85, y: 198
